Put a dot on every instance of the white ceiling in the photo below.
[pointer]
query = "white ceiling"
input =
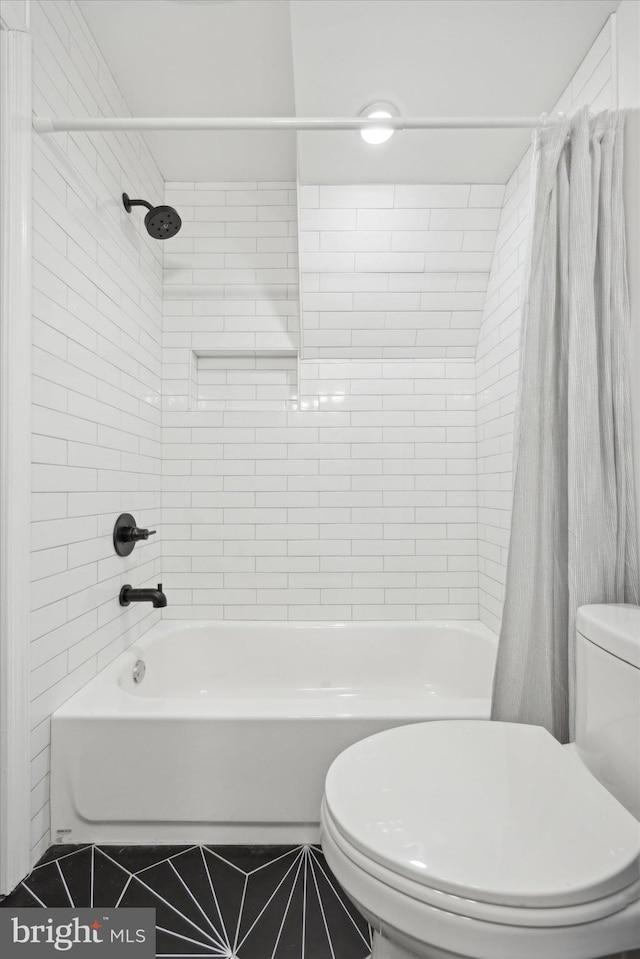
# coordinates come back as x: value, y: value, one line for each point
x: 331, y: 57
x: 433, y: 58
x: 203, y: 59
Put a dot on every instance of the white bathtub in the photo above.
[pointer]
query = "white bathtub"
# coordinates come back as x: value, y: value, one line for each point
x: 230, y: 734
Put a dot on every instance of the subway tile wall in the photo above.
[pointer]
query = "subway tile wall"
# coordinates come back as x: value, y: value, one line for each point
x: 97, y: 313
x: 395, y: 271
x: 352, y: 496
x: 231, y: 275
x: 499, y: 338
x: 358, y: 505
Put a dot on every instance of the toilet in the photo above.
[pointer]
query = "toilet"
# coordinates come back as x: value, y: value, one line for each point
x: 490, y: 840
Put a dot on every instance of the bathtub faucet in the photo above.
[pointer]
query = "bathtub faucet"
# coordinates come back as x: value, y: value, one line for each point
x: 156, y: 596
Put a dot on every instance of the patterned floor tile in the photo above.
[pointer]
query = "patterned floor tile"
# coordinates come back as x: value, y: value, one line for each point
x: 230, y: 902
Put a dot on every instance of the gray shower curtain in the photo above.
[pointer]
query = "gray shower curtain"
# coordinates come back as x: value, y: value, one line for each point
x: 573, y: 523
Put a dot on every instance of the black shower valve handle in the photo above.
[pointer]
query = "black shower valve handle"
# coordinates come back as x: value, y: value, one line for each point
x: 126, y: 533
x: 134, y: 534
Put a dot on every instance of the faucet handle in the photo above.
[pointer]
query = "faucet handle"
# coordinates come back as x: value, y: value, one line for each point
x: 159, y: 587
x: 138, y: 534
x: 126, y: 534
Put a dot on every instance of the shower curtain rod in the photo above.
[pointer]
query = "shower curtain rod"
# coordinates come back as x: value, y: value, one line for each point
x: 62, y: 124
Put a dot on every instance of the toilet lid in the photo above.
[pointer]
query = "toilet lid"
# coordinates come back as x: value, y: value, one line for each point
x: 494, y: 812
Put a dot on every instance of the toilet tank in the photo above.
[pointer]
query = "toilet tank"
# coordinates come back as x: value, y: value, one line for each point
x: 608, y: 698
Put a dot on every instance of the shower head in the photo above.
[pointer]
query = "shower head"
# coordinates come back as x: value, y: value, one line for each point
x: 161, y: 222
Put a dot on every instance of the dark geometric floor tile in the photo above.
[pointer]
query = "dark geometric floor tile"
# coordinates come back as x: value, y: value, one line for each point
x: 77, y: 872
x: 174, y: 945
x: 316, y: 938
x: 250, y: 858
x: 47, y: 885
x: 271, y: 881
x: 59, y: 852
x: 165, y: 881
x: 18, y: 899
x: 348, y: 931
x: 109, y: 880
x: 168, y: 917
x: 226, y: 902
x: 291, y: 933
x: 229, y: 886
x: 265, y: 910
x: 191, y: 870
x: 136, y: 858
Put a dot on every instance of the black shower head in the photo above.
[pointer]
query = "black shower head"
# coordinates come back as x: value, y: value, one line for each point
x: 161, y: 222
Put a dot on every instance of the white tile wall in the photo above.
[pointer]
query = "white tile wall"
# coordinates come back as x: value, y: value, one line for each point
x: 498, y: 341
x: 230, y: 284
x: 395, y: 271
x: 97, y: 307
x: 231, y: 274
x: 360, y: 504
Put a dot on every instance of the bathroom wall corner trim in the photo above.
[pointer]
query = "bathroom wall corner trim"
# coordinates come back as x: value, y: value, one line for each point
x: 15, y: 454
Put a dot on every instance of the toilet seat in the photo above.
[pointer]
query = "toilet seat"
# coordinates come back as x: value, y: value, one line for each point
x: 420, y: 893
x: 487, y: 820
x: 424, y: 921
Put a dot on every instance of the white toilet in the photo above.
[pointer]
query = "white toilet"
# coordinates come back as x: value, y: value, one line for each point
x: 491, y: 840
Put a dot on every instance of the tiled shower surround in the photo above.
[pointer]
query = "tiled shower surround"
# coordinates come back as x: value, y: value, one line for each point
x: 395, y: 271
x: 97, y: 321
x: 347, y: 491
x: 358, y: 505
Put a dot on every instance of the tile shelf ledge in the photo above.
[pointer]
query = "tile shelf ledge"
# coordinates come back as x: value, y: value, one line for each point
x: 242, y: 379
x: 255, y: 353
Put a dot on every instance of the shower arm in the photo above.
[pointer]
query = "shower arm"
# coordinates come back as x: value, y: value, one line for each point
x: 128, y: 203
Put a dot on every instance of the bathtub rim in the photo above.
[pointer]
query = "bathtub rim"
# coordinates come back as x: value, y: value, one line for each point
x: 103, y: 697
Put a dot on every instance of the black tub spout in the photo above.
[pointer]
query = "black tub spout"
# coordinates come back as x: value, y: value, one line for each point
x: 156, y: 596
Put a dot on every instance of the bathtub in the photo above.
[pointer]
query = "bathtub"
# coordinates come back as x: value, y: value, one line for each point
x: 229, y: 735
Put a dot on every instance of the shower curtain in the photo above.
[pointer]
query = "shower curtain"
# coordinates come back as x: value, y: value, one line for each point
x: 573, y: 524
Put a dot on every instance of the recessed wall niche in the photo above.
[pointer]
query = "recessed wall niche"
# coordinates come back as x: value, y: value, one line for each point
x: 244, y: 380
